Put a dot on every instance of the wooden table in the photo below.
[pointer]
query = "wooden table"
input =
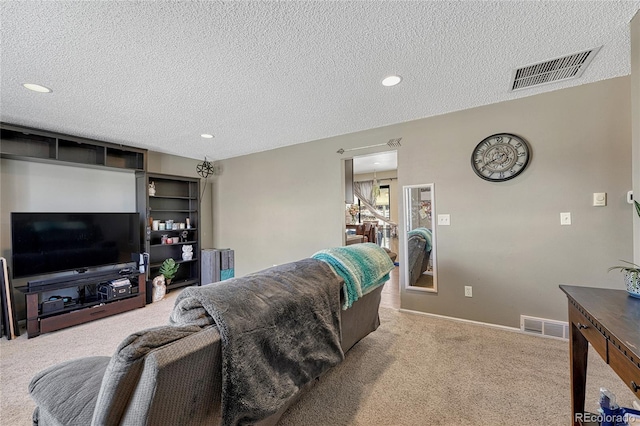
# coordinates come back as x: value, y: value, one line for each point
x: 610, y: 321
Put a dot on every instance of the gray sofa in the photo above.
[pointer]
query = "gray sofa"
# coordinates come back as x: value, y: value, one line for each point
x: 168, y: 375
x: 419, y: 257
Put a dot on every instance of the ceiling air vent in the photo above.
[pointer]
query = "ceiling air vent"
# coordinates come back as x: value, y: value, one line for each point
x: 565, y: 68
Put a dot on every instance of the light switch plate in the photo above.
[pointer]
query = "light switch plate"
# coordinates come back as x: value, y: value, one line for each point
x: 565, y: 218
x: 444, y: 219
x: 599, y: 199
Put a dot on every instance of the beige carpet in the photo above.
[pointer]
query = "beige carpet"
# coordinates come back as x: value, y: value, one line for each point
x: 414, y: 370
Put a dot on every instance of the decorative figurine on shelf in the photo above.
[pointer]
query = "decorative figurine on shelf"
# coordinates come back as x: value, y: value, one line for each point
x: 152, y: 189
x: 184, y: 235
x: 187, y: 252
x: 159, y: 288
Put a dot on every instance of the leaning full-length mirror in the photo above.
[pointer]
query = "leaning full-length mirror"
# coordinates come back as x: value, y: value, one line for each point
x: 420, y: 239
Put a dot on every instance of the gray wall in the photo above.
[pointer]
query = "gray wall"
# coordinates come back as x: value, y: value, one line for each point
x: 280, y: 205
x: 505, y: 239
x: 635, y: 114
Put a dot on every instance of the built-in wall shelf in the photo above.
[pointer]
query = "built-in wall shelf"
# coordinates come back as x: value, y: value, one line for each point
x: 23, y: 143
x: 173, y: 199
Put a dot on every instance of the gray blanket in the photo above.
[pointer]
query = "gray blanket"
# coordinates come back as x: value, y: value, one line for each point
x: 280, y: 329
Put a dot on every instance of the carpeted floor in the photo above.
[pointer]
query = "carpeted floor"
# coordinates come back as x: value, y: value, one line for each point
x: 420, y: 370
x: 414, y: 370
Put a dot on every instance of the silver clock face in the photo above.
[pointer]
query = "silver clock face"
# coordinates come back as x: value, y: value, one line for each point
x: 500, y: 157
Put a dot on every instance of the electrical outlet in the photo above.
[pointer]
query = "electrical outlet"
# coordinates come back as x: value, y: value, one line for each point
x: 444, y: 219
x: 468, y: 291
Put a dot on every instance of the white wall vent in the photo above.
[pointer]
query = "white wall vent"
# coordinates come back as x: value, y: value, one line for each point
x: 554, y: 70
x: 544, y: 327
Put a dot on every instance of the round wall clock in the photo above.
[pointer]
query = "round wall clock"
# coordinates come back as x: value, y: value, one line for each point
x: 500, y: 157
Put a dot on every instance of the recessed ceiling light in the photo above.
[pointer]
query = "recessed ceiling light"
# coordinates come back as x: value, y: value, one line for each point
x: 206, y: 136
x: 391, y: 80
x: 376, y: 162
x: 37, y: 88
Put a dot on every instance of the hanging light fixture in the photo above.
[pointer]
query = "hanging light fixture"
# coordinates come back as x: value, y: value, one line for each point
x: 205, y: 169
x: 375, y: 189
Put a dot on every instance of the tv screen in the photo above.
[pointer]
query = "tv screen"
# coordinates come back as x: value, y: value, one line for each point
x: 44, y: 243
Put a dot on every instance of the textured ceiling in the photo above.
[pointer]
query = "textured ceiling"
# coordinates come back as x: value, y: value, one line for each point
x: 260, y: 75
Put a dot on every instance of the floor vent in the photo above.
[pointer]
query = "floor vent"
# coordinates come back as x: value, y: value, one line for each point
x: 544, y: 327
x: 565, y: 68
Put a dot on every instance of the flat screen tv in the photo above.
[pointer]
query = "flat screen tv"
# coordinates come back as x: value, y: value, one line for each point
x: 44, y: 243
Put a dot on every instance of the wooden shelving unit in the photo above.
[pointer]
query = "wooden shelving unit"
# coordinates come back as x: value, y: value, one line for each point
x: 176, y: 198
x: 22, y: 143
x: 28, y: 144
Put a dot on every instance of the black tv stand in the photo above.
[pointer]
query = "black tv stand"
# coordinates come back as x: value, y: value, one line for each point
x: 85, y: 309
x: 53, y: 283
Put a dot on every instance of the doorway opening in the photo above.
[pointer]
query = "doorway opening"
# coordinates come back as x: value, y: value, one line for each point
x: 373, y: 212
x: 375, y: 197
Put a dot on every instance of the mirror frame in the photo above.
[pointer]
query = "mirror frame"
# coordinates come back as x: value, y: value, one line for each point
x: 406, y: 206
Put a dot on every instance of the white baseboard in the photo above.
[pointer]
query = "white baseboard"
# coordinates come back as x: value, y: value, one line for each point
x: 484, y: 324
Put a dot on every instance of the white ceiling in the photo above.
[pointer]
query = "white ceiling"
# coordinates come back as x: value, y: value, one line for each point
x: 261, y: 75
x: 379, y: 162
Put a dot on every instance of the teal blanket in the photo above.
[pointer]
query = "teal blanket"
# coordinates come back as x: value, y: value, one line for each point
x: 363, y: 267
x: 424, y: 233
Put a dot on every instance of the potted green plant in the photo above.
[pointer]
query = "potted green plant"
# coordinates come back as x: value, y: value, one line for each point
x: 631, y: 277
x: 631, y: 271
x: 168, y: 269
